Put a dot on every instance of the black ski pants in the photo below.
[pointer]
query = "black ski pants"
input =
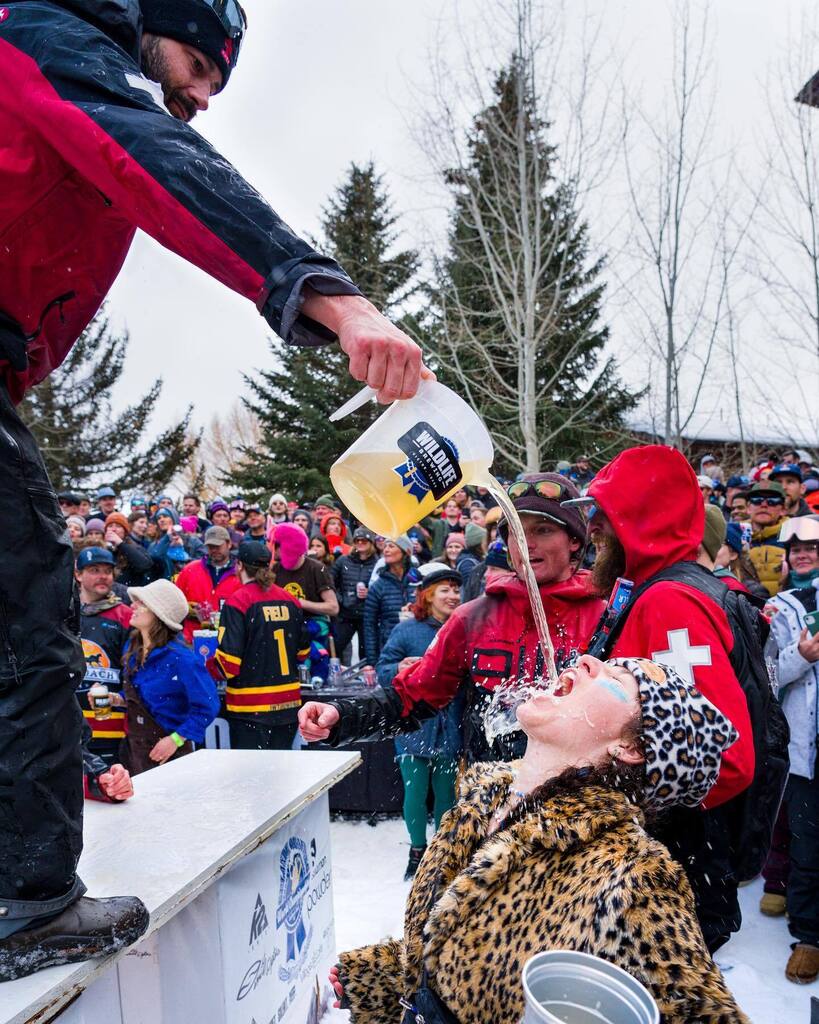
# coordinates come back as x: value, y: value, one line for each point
x: 802, y: 798
x: 41, y: 662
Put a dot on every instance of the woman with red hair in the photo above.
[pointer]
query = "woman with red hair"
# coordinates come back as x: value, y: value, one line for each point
x: 428, y: 756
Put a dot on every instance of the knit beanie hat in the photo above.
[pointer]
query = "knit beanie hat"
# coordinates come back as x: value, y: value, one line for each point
x: 733, y: 537
x: 118, y: 519
x: 95, y: 524
x: 292, y: 542
x: 497, y: 555
x: 190, y: 524
x: 474, y: 535
x: 171, y: 513
x: 165, y: 600
x: 715, y: 527
x: 77, y: 521
x: 405, y: 544
x: 684, y: 735
x: 196, y: 22
x: 570, y: 517
x: 457, y: 538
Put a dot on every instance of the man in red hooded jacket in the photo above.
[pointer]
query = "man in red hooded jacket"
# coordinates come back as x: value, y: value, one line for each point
x: 488, y: 640
x: 677, y: 625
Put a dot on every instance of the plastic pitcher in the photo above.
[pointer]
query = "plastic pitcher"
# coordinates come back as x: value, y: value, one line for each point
x: 415, y: 455
x: 565, y: 987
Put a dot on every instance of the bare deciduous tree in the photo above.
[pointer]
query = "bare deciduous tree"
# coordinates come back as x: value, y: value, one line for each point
x: 518, y: 293
x: 682, y: 201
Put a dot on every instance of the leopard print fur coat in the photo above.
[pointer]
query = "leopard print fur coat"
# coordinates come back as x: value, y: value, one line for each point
x: 577, y: 871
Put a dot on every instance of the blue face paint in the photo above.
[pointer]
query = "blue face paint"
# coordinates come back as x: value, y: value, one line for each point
x: 614, y: 688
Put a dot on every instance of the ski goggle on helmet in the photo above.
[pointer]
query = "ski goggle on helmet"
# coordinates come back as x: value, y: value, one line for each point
x: 233, y: 20
x: 804, y: 528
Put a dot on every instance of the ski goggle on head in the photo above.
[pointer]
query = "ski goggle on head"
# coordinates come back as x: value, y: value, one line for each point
x: 545, y: 488
x: 804, y: 528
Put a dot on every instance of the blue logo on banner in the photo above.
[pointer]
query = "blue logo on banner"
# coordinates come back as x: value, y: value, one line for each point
x: 294, y: 882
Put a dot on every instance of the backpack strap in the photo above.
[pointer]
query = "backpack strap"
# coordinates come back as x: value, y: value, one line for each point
x: 691, y: 573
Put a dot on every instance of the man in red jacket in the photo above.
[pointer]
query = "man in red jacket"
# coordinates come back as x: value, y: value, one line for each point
x: 677, y: 625
x: 96, y: 144
x: 489, y: 640
x: 208, y: 582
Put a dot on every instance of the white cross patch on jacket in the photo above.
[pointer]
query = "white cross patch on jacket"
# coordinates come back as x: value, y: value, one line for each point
x: 681, y: 656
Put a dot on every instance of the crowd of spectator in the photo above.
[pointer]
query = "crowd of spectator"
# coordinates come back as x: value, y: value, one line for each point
x: 155, y: 574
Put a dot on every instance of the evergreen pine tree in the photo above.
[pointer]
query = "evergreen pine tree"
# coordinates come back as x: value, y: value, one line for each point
x: 516, y: 311
x: 83, y: 443
x: 293, y: 400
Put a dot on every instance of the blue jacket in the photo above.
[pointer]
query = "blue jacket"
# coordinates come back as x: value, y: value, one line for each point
x: 440, y: 736
x: 385, y: 599
x: 177, y: 690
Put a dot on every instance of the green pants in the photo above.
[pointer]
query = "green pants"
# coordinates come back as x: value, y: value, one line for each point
x: 417, y: 773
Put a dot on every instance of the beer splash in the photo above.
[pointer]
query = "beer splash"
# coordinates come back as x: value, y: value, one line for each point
x: 500, y: 717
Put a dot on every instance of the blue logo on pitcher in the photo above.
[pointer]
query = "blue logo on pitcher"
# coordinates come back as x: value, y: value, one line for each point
x: 413, y: 479
x: 432, y: 463
x: 294, y: 881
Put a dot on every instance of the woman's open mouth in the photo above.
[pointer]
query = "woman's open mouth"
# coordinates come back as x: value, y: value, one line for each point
x: 565, y: 683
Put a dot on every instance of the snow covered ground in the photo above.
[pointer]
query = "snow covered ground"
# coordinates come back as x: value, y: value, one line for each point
x: 369, y: 894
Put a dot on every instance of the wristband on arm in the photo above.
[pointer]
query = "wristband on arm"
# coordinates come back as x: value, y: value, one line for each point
x: 178, y: 740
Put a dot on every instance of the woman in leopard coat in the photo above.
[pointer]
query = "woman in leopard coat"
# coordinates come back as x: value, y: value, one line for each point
x: 550, y: 853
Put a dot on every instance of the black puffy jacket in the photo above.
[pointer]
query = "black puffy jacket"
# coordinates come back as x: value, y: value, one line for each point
x: 348, y: 572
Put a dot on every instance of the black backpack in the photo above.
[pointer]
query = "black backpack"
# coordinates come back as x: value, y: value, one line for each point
x: 754, y: 810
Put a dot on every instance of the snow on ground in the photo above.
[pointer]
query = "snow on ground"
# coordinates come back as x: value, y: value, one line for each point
x: 369, y: 896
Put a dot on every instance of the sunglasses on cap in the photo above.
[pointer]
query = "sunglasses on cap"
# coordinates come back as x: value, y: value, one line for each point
x: 543, y: 488
x: 774, y: 500
x: 804, y: 528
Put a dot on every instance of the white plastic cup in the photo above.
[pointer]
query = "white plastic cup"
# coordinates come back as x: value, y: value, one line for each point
x: 566, y: 987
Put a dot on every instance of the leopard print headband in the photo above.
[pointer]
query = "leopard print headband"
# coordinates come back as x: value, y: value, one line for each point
x: 684, y: 735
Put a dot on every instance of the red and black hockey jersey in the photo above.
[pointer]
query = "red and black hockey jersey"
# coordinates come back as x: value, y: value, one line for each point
x: 261, y: 633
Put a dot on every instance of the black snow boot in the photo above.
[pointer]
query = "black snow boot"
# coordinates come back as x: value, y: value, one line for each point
x: 416, y: 853
x: 87, y: 928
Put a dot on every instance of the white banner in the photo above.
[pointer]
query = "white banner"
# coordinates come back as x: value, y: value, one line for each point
x: 276, y: 925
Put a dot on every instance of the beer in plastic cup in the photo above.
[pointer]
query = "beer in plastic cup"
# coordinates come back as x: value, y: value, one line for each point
x: 100, y: 700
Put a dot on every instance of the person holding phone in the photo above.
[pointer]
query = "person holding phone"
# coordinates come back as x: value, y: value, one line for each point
x: 795, y: 634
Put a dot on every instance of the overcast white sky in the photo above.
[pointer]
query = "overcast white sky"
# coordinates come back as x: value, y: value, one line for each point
x: 325, y: 83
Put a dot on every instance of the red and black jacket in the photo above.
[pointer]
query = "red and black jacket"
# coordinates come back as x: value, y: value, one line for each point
x: 90, y: 154
x: 261, y: 633
x: 103, y: 634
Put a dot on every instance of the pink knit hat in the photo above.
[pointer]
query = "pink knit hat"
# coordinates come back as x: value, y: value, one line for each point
x: 458, y: 538
x: 292, y: 543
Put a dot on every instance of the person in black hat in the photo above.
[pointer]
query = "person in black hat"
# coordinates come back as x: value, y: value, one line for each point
x: 263, y: 693
x: 255, y: 522
x: 351, y: 578
x: 111, y: 151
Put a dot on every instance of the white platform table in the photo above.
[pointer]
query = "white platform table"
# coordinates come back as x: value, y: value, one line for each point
x: 230, y: 852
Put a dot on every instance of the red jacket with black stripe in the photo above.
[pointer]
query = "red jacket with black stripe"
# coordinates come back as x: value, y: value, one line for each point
x: 261, y: 633
x: 90, y: 154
